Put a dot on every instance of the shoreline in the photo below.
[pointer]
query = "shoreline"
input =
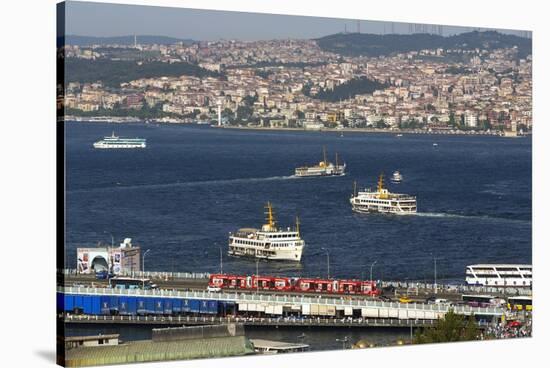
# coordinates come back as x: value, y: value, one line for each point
x: 130, y: 120
x: 372, y: 130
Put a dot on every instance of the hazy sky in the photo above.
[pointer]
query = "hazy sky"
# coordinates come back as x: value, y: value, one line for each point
x: 98, y: 19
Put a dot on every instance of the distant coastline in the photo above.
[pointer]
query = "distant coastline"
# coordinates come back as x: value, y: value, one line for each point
x: 130, y: 119
x: 373, y: 130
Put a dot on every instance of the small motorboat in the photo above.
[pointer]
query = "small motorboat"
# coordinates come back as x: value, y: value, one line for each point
x: 397, y: 177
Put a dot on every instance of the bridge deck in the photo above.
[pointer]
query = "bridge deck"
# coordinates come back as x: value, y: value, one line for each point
x: 290, y: 300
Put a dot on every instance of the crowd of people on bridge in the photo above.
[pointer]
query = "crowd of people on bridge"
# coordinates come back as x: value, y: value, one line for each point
x: 508, y: 330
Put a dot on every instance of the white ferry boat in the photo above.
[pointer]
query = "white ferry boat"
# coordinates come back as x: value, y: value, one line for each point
x: 268, y: 243
x: 397, y: 177
x: 500, y: 275
x: 383, y: 201
x: 324, y: 168
x: 117, y: 142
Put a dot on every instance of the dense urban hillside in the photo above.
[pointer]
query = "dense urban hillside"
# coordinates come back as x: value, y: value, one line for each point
x: 123, y: 40
x: 353, y: 44
x: 112, y: 72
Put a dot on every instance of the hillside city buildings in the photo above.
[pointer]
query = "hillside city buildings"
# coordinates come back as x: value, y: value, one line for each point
x: 276, y: 84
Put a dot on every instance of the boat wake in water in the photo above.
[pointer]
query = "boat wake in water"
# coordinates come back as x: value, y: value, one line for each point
x: 468, y: 217
x: 120, y: 186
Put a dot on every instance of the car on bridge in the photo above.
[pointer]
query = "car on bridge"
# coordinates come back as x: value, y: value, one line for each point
x: 388, y: 289
x: 431, y: 300
x: 405, y: 299
x: 103, y: 275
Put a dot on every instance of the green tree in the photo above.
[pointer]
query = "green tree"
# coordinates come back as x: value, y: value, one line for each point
x: 347, y: 90
x: 471, y: 332
x: 452, y: 119
x: 453, y: 327
x: 114, y: 72
x: 381, y: 124
x: 249, y: 100
x: 485, y: 124
x: 227, y: 114
x: 244, y: 112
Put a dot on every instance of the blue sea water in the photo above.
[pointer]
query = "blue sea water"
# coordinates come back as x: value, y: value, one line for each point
x: 183, y: 194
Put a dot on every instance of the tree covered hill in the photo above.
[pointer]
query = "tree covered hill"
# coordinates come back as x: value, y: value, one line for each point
x: 353, y: 44
x: 112, y: 72
x: 347, y: 90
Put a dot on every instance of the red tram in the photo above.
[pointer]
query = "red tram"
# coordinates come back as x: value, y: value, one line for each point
x: 303, y: 285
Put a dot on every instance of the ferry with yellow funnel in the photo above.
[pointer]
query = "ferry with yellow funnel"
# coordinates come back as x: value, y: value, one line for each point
x: 382, y: 201
x: 324, y: 168
x: 269, y: 242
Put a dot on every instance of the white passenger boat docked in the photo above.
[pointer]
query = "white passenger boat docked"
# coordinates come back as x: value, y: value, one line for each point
x: 324, y: 168
x: 268, y: 243
x: 500, y: 275
x: 383, y: 201
x: 117, y: 142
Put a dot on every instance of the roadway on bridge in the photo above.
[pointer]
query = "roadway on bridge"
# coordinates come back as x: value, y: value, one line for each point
x: 191, y: 284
